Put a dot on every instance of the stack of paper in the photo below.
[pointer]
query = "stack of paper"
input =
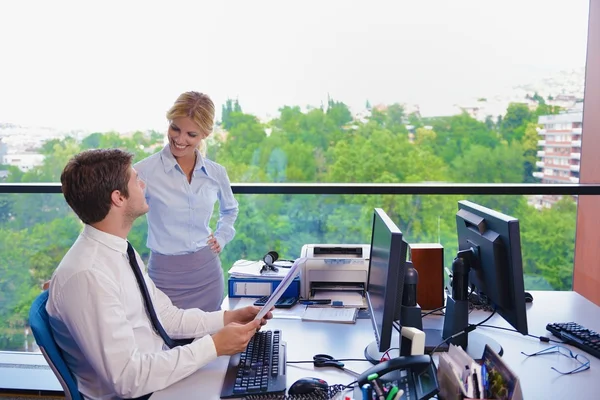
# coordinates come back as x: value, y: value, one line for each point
x: 330, y: 314
x: 349, y: 299
x: 252, y: 269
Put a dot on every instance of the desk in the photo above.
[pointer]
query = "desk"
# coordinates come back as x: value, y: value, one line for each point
x: 305, y: 339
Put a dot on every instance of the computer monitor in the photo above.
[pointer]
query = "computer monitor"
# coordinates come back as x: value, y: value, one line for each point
x: 489, y: 262
x: 385, y: 281
x: 493, y: 244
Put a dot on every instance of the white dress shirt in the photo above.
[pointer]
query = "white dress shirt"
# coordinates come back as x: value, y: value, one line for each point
x: 180, y: 211
x: 99, y: 320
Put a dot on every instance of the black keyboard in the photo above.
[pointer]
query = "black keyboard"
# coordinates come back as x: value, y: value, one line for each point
x: 578, y: 336
x: 260, y: 369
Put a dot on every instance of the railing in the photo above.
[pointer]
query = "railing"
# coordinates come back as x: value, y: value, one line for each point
x: 433, y: 188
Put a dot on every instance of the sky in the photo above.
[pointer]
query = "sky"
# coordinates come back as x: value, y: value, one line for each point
x: 119, y: 65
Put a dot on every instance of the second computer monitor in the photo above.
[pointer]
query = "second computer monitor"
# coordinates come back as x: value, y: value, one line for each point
x: 385, y: 281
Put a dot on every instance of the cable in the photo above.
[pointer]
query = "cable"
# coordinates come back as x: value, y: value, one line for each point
x: 432, y: 311
x: 386, y: 355
x: 544, y: 339
x: 469, y: 328
x: 335, y: 359
x: 325, y: 360
x: 487, y: 319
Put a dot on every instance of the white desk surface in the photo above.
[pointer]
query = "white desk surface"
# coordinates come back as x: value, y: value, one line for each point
x: 305, y: 339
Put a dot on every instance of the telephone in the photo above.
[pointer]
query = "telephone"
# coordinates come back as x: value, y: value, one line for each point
x: 416, y: 375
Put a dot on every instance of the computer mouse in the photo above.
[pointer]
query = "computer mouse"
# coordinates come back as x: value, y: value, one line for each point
x: 528, y: 297
x: 308, y: 386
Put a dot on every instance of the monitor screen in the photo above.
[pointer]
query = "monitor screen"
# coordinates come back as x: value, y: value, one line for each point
x: 496, y: 268
x: 385, y: 280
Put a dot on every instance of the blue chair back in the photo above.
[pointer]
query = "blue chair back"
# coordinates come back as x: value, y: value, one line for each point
x: 40, y: 326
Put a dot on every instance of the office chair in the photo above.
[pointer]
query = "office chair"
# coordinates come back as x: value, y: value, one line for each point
x: 40, y: 326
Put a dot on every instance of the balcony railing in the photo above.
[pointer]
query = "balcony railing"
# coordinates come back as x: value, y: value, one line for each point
x: 432, y: 188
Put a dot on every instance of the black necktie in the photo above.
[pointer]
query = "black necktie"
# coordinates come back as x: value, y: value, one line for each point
x: 148, y: 301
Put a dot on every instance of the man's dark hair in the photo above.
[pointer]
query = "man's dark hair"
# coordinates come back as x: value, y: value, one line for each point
x: 90, y: 177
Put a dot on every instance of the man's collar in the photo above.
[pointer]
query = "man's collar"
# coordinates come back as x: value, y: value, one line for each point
x: 114, y: 242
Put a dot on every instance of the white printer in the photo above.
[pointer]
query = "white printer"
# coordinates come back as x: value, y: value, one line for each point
x: 334, y: 267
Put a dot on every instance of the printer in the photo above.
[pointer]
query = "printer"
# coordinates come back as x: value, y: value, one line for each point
x: 337, y: 267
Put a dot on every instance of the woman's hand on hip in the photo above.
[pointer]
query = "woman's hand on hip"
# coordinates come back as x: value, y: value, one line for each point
x: 214, y: 244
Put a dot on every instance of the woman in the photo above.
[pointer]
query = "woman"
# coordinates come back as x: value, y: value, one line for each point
x: 181, y: 189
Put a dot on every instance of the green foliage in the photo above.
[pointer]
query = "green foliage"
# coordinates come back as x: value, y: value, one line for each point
x: 227, y: 109
x: 320, y: 145
x: 480, y: 164
x: 530, y: 148
x: 549, y: 238
x: 457, y: 133
x: 514, y: 122
x: 338, y: 113
x: 538, y: 98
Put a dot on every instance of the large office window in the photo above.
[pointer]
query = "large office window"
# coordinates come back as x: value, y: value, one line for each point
x: 372, y: 92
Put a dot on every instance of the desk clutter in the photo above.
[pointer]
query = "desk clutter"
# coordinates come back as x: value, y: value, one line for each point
x: 460, y: 377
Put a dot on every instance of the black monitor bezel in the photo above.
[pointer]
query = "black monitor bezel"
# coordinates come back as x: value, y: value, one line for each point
x: 394, y: 282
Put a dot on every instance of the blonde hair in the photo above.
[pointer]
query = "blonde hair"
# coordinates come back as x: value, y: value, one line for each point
x: 197, y: 106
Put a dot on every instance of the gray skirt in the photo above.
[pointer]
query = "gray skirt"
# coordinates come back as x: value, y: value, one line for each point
x: 190, y: 280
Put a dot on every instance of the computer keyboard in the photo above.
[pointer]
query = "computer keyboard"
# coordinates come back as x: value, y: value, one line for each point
x: 578, y: 336
x: 260, y: 369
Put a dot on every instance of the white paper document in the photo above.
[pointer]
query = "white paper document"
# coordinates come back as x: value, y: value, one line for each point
x: 350, y: 298
x: 252, y: 269
x: 330, y: 314
x: 280, y: 289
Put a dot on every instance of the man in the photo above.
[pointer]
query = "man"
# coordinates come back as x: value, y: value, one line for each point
x: 98, y: 311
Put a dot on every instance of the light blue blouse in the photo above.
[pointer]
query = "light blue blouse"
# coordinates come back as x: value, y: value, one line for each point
x: 180, y: 212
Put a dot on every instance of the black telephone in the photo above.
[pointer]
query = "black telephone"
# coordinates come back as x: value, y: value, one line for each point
x: 416, y: 375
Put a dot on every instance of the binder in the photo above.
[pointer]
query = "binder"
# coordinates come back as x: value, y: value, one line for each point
x: 257, y: 287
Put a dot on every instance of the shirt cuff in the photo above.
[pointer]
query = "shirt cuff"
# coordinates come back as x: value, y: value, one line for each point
x: 204, y: 350
x: 215, y: 320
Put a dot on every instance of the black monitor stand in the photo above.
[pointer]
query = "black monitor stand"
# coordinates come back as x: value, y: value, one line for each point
x: 456, y: 318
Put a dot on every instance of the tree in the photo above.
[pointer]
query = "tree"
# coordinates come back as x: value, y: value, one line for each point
x: 538, y: 98
x: 480, y: 164
x: 548, y: 243
x: 530, y: 147
x: 489, y: 122
x: 457, y: 133
x: 226, y: 110
x: 339, y: 113
x: 514, y: 122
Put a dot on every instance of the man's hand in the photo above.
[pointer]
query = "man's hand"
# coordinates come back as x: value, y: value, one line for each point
x: 214, y: 245
x: 234, y: 337
x: 245, y: 315
x: 46, y: 285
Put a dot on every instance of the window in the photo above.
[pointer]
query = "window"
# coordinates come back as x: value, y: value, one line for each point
x: 324, y: 97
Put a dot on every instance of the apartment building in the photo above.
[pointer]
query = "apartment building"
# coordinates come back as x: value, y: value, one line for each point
x: 560, y: 153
